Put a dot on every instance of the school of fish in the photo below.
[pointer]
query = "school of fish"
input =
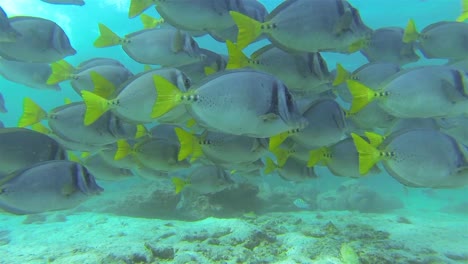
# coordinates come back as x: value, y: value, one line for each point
x: 278, y: 110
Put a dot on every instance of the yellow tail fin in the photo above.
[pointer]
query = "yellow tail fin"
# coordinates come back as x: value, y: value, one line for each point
x: 277, y: 140
x: 169, y: 96
x: 96, y: 106
x: 39, y: 127
x: 147, y: 68
x: 318, y: 155
x: 358, y: 45
x: 464, y: 13
x: 237, y: 59
x: 209, y: 70
x: 61, y: 71
x: 73, y: 157
x: 102, y: 86
x: 179, y: 184
x: 342, y: 75
x: 249, y: 29
x: 362, y: 95
x: 411, y: 34
x: 141, y: 131
x: 123, y: 149
x: 188, y: 145
x: 84, y: 155
x: 270, y: 166
x: 374, y: 138
x: 107, y: 38
x: 368, y: 155
x: 138, y: 6
x: 32, y: 113
x: 282, y: 156
x: 150, y: 22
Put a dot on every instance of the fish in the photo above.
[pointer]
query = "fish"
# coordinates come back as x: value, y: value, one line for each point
x: 153, y: 153
x: 251, y: 8
x: 441, y: 40
x: 429, y: 91
x: 30, y: 74
x: 421, y: 158
x: 204, y: 180
x: 82, y: 77
x: 21, y: 147
x: 212, y: 63
x: 2, y: 125
x: 341, y: 159
x: 305, y: 71
x: 136, y: 99
x: 306, y: 26
x: 239, y: 102
x: 326, y: 125
x: 3, y: 108
x: 456, y: 127
x: 169, y: 47
x: 195, y: 15
x: 41, y: 41
x: 292, y: 170
x: 66, y: 122
x: 47, y: 186
x: 301, y: 204
x: 370, y: 74
x: 386, y: 45
x: 65, y: 2
x: 220, y: 148
x: 102, y: 170
x: 7, y: 32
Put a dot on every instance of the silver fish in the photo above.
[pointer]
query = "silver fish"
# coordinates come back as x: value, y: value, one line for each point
x: 21, y: 147
x: 47, y: 186
x: 241, y: 102
x: 41, y: 40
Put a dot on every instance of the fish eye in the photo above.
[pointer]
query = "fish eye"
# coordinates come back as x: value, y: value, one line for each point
x: 187, y: 83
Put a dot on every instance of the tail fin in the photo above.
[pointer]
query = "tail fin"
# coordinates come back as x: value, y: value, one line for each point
x: 39, y: 127
x: 141, y: 131
x: 209, y: 70
x: 179, y: 184
x: 464, y: 14
x: 277, y: 140
x: 318, y: 155
x: 138, y: 6
x: 368, y: 155
x: 282, y: 156
x: 270, y: 166
x: 249, y: 29
x: 96, y: 106
x: 32, y: 113
x: 107, y: 38
x: 169, y: 96
x: 150, y: 22
x: 73, y: 157
x: 61, y: 71
x: 358, y: 45
x: 411, y: 34
x: 123, y: 149
x: 342, y: 75
x: 374, y: 138
x: 102, y: 87
x: 237, y: 59
x: 362, y: 95
x: 188, y: 145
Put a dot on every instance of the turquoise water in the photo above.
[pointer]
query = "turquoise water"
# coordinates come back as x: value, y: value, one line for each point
x: 134, y: 220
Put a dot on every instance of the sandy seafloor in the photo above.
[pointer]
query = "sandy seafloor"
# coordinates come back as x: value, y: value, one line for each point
x: 417, y: 233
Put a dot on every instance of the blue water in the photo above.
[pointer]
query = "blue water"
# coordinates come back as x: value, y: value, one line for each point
x: 80, y: 23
